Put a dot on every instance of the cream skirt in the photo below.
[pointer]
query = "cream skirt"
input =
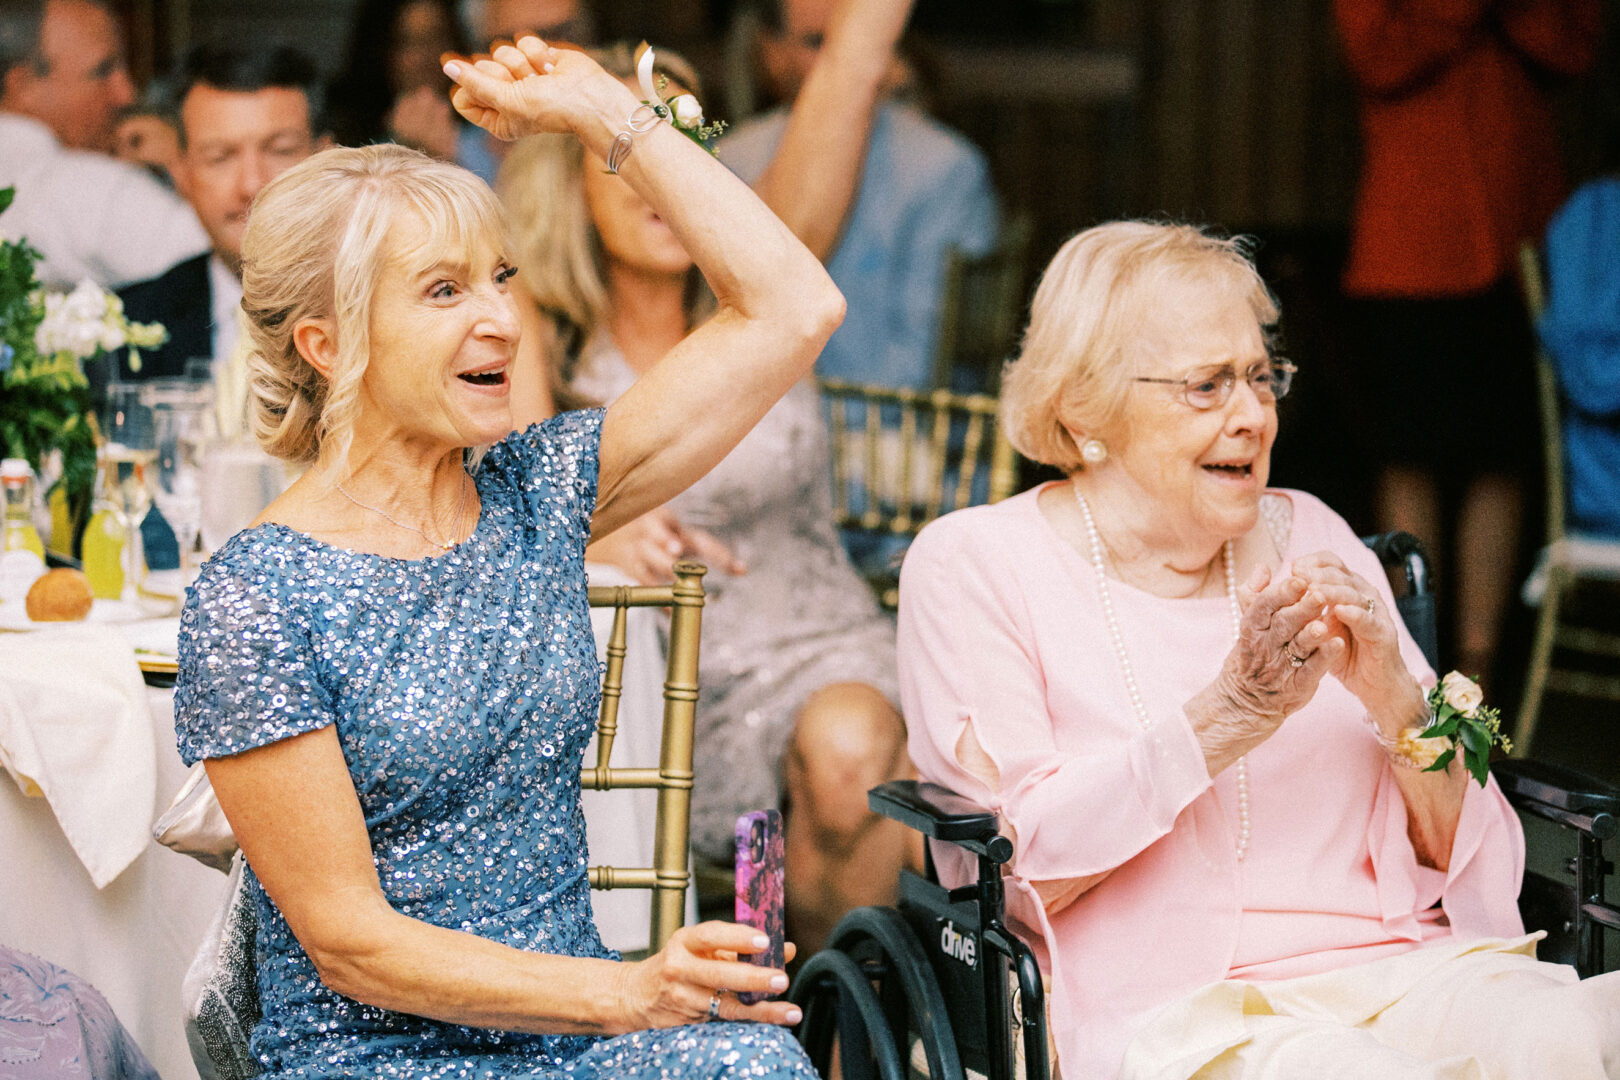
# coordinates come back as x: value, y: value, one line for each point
x: 1477, y: 1010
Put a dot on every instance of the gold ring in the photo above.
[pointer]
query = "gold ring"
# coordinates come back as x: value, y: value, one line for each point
x: 1295, y: 661
x: 1372, y: 605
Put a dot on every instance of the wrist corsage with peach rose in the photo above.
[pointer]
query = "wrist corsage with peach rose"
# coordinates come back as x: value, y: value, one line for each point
x: 681, y: 110
x: 1459, y: 723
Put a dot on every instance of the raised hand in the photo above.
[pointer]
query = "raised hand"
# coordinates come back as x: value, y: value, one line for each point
x: 526, y: 88
x: 699, y: 964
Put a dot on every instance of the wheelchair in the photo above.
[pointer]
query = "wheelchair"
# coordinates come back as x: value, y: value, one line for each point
x: 939, y: 986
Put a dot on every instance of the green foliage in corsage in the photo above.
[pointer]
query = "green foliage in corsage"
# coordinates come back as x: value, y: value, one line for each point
x: 1459, y: 715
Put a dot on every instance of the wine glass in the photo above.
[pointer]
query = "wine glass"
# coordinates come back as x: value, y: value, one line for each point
x: 125, y: 457
x: 182, y: 422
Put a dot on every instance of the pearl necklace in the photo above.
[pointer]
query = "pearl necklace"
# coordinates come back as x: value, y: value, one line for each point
x: 1124, y: 659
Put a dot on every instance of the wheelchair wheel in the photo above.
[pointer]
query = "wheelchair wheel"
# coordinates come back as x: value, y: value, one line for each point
x: 884, y: 949
x: 835, y: 995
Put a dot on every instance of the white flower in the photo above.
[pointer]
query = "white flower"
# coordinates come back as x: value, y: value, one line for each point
x: 688, y: 111
x: 1419, y: 751
x: 1461, y: 693
x: 82, y: 323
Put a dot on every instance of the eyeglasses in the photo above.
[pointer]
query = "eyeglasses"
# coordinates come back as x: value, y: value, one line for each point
x: 1211, y: 387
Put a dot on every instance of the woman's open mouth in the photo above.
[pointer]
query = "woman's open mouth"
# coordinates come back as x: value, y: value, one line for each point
x: 488, y: 377
x: 1236, y: 470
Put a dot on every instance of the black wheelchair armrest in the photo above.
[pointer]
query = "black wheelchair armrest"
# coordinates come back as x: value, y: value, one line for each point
x: 941, y: 814
x: 1560, y: 795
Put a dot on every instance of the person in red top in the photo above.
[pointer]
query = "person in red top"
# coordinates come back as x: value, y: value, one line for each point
x: 1460, y: 163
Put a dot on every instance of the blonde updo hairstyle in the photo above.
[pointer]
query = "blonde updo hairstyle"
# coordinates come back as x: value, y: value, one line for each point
x: 1099, y: 303
x: 317, y: 239
x: 559, y: 253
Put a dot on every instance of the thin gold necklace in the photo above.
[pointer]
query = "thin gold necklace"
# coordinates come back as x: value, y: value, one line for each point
x: 442, y: 545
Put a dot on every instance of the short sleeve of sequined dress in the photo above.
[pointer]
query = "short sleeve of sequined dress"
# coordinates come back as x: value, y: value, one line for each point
x: 255, y: 625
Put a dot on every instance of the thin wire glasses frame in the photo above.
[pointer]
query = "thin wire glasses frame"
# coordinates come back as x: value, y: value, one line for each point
x: 1211, y: 387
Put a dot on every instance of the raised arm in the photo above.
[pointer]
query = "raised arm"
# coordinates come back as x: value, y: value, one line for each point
x: 812, y: 180
x: 776, y: 309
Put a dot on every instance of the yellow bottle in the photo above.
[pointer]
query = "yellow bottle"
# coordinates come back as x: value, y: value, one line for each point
x: 103, y: 552
x: 61, y: 539
x: 17, y: 483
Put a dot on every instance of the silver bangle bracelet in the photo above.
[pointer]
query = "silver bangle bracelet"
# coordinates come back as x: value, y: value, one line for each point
x: 642, y: 120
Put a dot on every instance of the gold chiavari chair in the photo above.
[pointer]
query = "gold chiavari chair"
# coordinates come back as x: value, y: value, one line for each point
x: 669, y: 876
x: 1567, y: 560
x: 901, y: 458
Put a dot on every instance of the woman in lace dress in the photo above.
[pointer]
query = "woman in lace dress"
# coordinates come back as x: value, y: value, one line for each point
x: 391, y: 674
x: 798, y: 660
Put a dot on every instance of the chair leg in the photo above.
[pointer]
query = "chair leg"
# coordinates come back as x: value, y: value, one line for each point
x: 1535, y: 682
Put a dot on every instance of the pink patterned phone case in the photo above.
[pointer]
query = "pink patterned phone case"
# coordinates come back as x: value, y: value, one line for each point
x: 760, y: 856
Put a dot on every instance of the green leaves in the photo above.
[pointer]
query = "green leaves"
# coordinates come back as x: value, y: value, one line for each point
x: 1471, y: 733
x: 6, y: 195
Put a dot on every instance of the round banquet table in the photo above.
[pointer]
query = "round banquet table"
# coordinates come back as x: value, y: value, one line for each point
x: 132, y: 940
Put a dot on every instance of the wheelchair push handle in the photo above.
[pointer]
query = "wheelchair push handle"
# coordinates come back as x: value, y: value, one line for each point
x: 941, y: 814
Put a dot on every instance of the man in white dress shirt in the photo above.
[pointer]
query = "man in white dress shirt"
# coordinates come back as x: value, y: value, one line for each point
x: 62, y: 81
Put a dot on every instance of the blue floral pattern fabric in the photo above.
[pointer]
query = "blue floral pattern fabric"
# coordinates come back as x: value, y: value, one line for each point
x: 464, y: 688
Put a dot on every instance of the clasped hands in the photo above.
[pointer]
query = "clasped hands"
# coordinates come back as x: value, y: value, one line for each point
x: 647, y: 548
x: 1314, y: 619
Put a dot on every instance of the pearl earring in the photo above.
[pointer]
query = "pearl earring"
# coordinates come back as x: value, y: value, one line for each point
x: 1093, y: 452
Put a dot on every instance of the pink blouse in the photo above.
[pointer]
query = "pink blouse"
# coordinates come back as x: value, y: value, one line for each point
x: 1001, y: 631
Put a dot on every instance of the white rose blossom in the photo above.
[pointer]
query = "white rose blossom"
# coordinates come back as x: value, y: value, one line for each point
x: 688, y: 111
x: 1461, y: 693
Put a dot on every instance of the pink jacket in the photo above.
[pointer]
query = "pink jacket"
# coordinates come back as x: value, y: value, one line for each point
x: 1001, y: 630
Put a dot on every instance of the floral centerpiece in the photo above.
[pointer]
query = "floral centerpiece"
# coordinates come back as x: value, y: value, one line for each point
x: 45, y: 339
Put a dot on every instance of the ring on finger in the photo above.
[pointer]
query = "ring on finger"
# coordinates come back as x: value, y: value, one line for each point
x: 714, y: 1004
x: 1371, y: 604
x: 1294, y: 661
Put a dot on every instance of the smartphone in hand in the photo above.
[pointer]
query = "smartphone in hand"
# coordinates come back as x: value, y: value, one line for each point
x: 760, y: 853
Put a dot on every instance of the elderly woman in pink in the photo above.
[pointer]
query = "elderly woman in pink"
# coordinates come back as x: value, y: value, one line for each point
x: 1185, y: 693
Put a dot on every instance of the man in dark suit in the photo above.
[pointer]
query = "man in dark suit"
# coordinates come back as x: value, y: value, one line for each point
x: 246, y: 115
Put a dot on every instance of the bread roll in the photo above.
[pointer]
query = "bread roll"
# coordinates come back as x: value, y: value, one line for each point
x: 60, y: 596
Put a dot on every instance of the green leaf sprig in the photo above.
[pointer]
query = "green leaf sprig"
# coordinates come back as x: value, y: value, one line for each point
x: 1458, y: 714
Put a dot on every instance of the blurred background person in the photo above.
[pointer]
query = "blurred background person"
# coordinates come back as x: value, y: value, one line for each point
x: 923, y: 191
x: 247, y: 114
x: 1581, y: 329
x: 391, y: 86
x: 798, y: 660
x: 147, y: 133
x: 1460, y: 164
x: 62, y: 84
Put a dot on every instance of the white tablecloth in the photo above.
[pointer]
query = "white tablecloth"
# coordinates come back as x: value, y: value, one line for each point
x: 132, y: 940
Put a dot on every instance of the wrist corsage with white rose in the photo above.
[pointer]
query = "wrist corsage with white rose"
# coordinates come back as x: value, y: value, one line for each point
x: 681, y: 110
x: 1459, y: 723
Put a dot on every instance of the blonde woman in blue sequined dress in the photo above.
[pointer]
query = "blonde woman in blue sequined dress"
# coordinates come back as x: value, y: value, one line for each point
x: 391, y: 674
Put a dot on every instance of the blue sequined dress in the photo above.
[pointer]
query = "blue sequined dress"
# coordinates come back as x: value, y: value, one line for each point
x: 464, y: 688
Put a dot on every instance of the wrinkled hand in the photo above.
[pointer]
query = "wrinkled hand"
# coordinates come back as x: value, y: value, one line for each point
x: 528, y: 88
x: 1282, y: 621
x: 422, y: 118
x: 1371, y: 666
x: 647, y: 548
x: 673, y: 986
